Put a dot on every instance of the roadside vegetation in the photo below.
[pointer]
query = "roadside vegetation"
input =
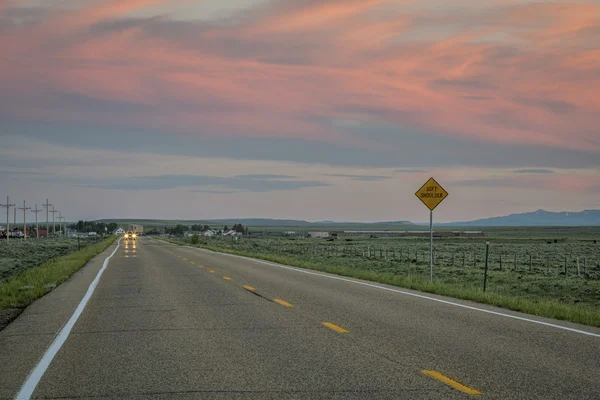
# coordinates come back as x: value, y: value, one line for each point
x: 537, y: 284
x: 20, y: 255
x: 27, y: 286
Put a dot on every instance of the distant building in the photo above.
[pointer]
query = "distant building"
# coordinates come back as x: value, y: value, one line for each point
x: 231, y: 233
x: 318, y: 234
x: 209, y: 233
x: 119, y: 231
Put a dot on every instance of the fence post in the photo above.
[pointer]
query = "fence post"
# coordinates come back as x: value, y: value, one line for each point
x: 515, y: 261
x: 578, y: 272
x: 585, y: 266
x: 565, y: 266
x: 463, y: 259
x: 474, y: 260
x: 530, y: 263
x: 485, y: 272
x: 453, y: 258
x: 500, y: 261
x: 548, y: 264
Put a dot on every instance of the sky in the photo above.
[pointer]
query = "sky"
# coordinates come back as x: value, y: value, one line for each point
x: 306, y: 109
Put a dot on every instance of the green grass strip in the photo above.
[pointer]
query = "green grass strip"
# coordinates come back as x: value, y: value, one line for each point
x: 34, y: 283
x: 543, y: 307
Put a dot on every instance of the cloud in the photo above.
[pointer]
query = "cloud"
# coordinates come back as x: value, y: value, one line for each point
x: 265, y: 176
x: 410, y: 171
x: 238, y: 183
x: 462, y: 83
x: 360, y: 177
x: 533, y: 171
x: 259, y: 74
x: 563, y: 183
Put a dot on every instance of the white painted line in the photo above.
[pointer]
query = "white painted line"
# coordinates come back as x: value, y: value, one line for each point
x: 304, y: 271
x: 40, y: 369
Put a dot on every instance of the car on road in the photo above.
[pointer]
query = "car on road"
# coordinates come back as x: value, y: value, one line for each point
x: 130, y: 236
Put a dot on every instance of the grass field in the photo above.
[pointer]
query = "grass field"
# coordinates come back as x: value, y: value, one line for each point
x: 27, y: 286
x: 541, y: 287
x: 20, y: 255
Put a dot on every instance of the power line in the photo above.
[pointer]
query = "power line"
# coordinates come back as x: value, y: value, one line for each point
x: 7, y: 206
x: 53, y: 221
x: 24, y: 208
x: 60, y: 219
x: 37, y: 227
x: 47, y: 206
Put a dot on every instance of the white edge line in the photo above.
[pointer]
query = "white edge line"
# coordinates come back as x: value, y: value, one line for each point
x: 401, y: 292
x: 40, y: 369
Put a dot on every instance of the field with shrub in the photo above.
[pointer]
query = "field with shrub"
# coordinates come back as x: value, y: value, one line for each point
x: 20, y: 255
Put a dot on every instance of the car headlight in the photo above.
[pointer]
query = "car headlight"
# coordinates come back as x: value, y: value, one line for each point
x: 134, y: 235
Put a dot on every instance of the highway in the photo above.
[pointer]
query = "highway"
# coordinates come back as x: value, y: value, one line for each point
x: 168, y: 321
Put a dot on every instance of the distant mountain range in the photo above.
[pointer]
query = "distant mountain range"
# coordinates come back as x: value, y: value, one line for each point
x: 538, y: 218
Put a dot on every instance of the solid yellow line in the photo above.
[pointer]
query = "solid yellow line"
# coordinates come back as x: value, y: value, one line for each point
x: 249, y: 288
x: 212, y: 271
x: 334, y: 327
x: 451, y: 382
x: 227, y: 278
x: 283, y: 303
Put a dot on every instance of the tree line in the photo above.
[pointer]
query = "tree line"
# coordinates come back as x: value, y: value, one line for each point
x: 93, y: 226
x: 181, y: 229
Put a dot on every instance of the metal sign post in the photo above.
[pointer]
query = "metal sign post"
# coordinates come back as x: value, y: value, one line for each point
x: 431, y: 194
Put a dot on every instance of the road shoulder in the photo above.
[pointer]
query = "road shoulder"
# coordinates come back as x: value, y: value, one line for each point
x: 24, y: 341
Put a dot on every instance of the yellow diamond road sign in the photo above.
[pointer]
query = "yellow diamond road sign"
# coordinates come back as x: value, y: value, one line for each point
x: 431, y: 194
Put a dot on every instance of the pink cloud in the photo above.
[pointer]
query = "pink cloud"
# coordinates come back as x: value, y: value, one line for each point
x: 353, y: 62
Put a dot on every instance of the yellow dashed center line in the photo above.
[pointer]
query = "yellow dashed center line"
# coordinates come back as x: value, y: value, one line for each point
x: 451, y: 382
x: 184, y: 259
x: 191, y: 262
x: 227, y: 278
x: 212, y: 271
x: 334, y: 327
x: 249, y: 288
x: 283, y: 303
x: 200, y: 266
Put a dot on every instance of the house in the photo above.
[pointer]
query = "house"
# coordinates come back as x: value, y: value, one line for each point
x: 231, y: 233
x: 119, y: 231
x: 209, y: 233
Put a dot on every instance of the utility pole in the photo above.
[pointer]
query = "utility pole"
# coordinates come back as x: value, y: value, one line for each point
x: 24, y: 208
x: 37, y: 227
x: 60, y: 219
x: 53, y: 220
x: 15, y: 217
x: 7, y: 206
x: 47, y: 205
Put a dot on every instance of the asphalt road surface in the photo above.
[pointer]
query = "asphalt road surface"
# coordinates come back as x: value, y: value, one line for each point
x: 173, y: 322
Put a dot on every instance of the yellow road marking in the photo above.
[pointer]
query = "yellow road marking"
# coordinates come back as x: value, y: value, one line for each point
x: 334, y: 327
x: 451, y: 382
x: 227, y: 278
x: 200, y: 266
x: 283, y: 303
x: 191, y: 262
x: 212, y: 271
x: 184, y: 259
x: 249, y: 288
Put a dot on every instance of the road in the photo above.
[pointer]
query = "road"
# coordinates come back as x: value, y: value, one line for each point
x: 167, y: 321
